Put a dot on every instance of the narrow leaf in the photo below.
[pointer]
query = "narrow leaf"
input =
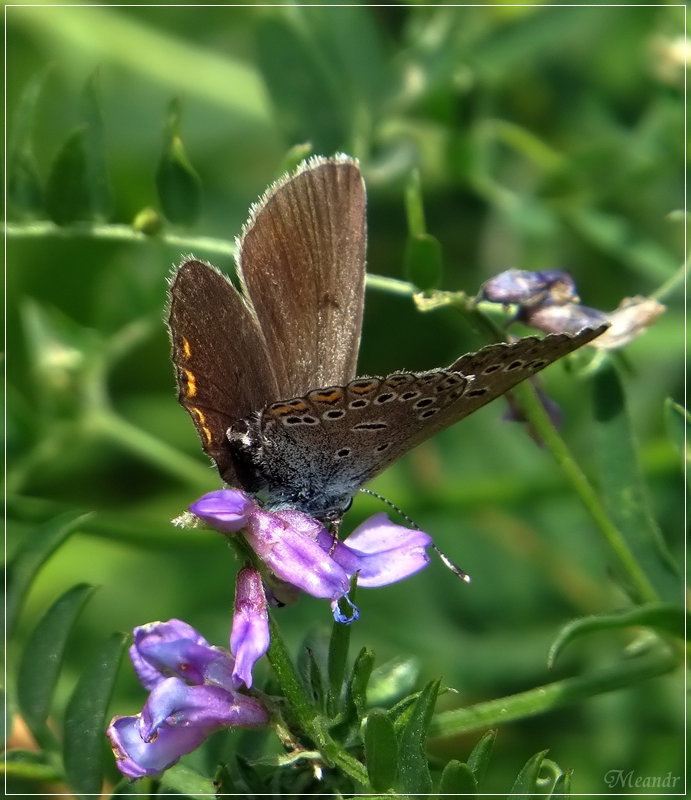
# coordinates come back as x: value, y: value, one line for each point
x: 622, y: 486
x: 562, y: 786
x: 68, y: 195
x: 42, y: 657
x: 34, y: 551
x: 413, y: 769
x: 393, y: 680
x: 24, y: 190
x: 30, y: 765
x: 664, y: 617
x: 526, y: 783
x: 478, y: 761
x: 85, y: 719
x: 177, y: 182
x: 678, y: 423
x: 381, y: 751
x: 457, y: 779
x: 183, y: 780
x: 311, y: 675
x: 95, y: 151
x: 357, y: 686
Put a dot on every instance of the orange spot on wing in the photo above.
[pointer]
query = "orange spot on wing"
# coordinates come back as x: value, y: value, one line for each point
x: 201, y: 423
x: 327, y: 397
x: 191, y: 383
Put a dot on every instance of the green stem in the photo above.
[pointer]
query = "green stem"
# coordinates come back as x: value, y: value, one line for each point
x: 673, y: 283
x: 539, y: 419
x: 117, y: 233
x: 311, y: 722
x: 552, y: 695
x: 189, y: 470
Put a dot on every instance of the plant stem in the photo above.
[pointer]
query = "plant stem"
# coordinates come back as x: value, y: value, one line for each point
x: 539, y: 419
x: 311, y: 722
x: 552, y: 695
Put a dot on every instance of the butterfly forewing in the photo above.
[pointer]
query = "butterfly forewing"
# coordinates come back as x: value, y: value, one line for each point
x: 302, y: 264
x: 222, y: 368
x: 318, y: 450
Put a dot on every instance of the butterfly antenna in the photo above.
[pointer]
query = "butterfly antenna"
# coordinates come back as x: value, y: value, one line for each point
x: 446, y: 561
x: 392, y: 506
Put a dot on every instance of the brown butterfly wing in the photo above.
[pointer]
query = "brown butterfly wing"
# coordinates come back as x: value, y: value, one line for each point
x: 222, y: 368
x: 490, y: 373
x: 302, y: 265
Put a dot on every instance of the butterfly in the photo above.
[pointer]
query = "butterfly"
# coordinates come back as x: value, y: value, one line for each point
x: 267, y: 371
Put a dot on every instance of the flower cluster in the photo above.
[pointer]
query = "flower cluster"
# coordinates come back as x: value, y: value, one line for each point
x: 196, y: 688
x: 193, y: 692
x: 548, y: 300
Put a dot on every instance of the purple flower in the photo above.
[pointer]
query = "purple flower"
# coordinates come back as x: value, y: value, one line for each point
x: 249, y: 638
x: 193, y: 693
x: 162, y: 649
x: 548, y: 301
x: 300, y: 551
x: 526, y: 288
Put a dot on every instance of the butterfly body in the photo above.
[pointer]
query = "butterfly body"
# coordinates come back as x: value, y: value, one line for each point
x: 267, y: 372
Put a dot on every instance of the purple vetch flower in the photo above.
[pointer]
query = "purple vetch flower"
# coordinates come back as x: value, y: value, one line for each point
x: 193, y: 692
x: 163, y: 649
x: 548, y: 301
x: 249, y: 637
x: 300, y: 551
x: 526, y: 288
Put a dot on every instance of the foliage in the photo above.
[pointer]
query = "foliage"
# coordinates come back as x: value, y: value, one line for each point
x: 489, y: 137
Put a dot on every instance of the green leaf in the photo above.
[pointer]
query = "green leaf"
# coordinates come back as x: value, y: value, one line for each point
x: 183, y: 780
x: 177, y: 182
x: 622, y: 485
x: 562, y: 786
x: 85, y: 719
x: 68, y: 195
x: 311, y: 675
x: 95, y: 150
x: 24, y: 190
x: 42, y: 657
x: 413, y: 769
x: 31, y: 765
x: 33, y: 552
x: 357, y: 685
x: 77, y: 188
x: 381, y: 751
x: 678, y: 422
x: 393, y: 680
x: 479, y: 759
x: 526, y: 784
x: 664, y: 617
x: 457, y: 779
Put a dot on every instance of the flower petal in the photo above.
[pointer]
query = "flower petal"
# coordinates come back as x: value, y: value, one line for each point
x: 249, y: 638
x: 382, y: 552
x: 225, y: 509
x: 569, y: 318
x: 175, y: 704
x: 284, y: 541
x: 162, y: 649
x: 136, y: 757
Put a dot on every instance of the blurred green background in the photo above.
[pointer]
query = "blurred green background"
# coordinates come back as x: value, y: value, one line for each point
x: 545, y: 137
